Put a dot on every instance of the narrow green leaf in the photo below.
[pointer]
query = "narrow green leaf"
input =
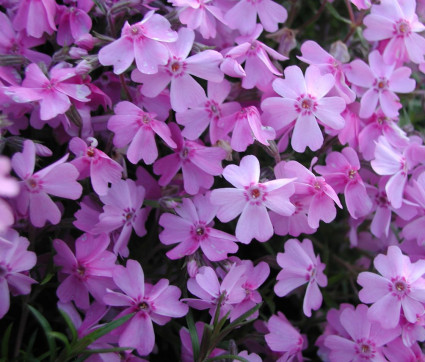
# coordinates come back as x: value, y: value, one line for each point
x: 99, y: 4
x: 335, y: 14
x: 47, y: 330
x: 193, y: 334
x: 61, y: 337
x: 70, y: 325
x: 5, y: 342
x: 47, y: 278
x: 226, y: 356
x: 243, y: 317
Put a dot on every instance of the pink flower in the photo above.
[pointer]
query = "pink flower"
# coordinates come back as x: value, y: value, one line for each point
x: 89, y: 270
x: 366, y: 337
x: 151, y: 303
x: 198, y: 163
x: 52, y: 94
x: 401, y: 286
x: 398, y: 22
x: 300, y: 265
x: 74, y: 22
x: 191, y: 227
x: 342, y: 173
x: 243, y: 16
x: 58, y: 179
x: 15, y: 261
x: 362, y: 4
x: 185, y: 91
x: 251, y: 199
x: 141, y: 41
x: 284, y: 338
x: 136, y: 127
x: 9, y: 187
x: 36, y: 17
x: 320, y: 195
x: 123, y: 210
x: 304, y: 102
x: 382, y: 81
x: 92, y: 162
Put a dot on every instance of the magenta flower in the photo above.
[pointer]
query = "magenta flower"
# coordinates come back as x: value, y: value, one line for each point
x: 92, y: 162
x: 9, y: 187
x: 52, y: 94
x: 300, y: 266
x: 198, y: 163
x: 191, y: 227
x: 243, y: 16
x: 398, y: 22
x: 136, y: 127
x: 58, y: 179
x: 284, y: 338
x: 251, y: 199
x: 342, y: 174
x: 305, y: 103
x: 15, y: 261
x: 365, y: 337
x: 89, y: 270
x: 185, y: 91
x: 151, y: 303
x: 207, y: 287
x: 123, y: 210
x: 382, y: 81
x: 401, y: 287
x: 315, y: 189
x: 141, y: 41
x: 36, y: 17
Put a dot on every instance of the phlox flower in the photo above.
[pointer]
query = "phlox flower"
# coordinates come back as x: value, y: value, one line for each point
x: 304, y: 104
x: 88, y: 270
x: 192, y: 229
x: 243, y: 16
x: 382, y: 81
x: 251, y: 199
x: 53, y: 93
x: 131, y: 125
x: 399, y: 287
x: 9, y: 187
x: 185, y: 91
x: 15, y: 261
x: 315, y: 189
x: 123, y: 210
x: 396, y: 351
x: 365, y: 337
x: 94, y: 163
x: 141, y: 41
x: 151, y: 303
x: 398, y: 22
x: 362, y: 4
x: 36, y: 17
x: 414, y: 229
x: 300, y: 266
x: 198, y: 163
x: 284, y: 338
x: 342, y: 173
x: 206, y: 286
x: 58, y: 179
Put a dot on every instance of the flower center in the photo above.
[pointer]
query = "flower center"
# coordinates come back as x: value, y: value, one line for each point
x: 381, y: 84
x: 33, y: 185
x: 200, y: 231
x: 352, y: 174
x: 90, y: 152
x: 306, y: 104
x: 213, y: 110
x: 366, y: 349
x: 143, y: 306
x: 81, y: 270
x: 400, y: 287
x: 402, y: 28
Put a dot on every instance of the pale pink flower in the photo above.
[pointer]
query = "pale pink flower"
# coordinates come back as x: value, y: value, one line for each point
x: 365, y: 337
x: 141, y: 41
x: 284, y: 338
x: 53, y: 93
x: 185, y: 91
x: 342, y: 173
x: 304, y: 104
x: 9, y: 187
x: 199, y: 163
x: 382, y: 81
x: 300, y: 266
x: 88, y: 270
x: 131, y: 125
x: 401, y: 287
x: 362, y: 4
x: 192, y: 229
x: 398, y: 22
x: 251, y: 199
x: 151, y: 303
x: 36, y: 17
x: 15, y: 261
x: 94, y: 163
x: 58, y: 179
x: 396, y: 351
x: 416, y: 192
x: 243, y: 16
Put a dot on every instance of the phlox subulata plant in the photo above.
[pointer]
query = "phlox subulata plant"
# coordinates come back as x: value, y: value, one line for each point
x: 204, y: 180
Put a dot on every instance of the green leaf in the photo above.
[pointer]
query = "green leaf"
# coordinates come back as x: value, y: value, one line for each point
x: 5, y: 342
x: 70, y: 325
x: 61, y: 337
x: 242, y: 318
x: 226, y: 356
x: 47, y: 330
x: 47, y: 278
x: 335, y: 14
x: 193, y: 335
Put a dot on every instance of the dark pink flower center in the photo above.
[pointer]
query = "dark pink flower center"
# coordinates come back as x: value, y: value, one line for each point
x: 311, y: 273
x: 33, y: 184
x: 352, y: 173
x: 365, y: 348
x: 90, y: 152
x: 306, y: 104
x: 200, y: 231
x: 213, y: 109
x: 176, y: 67
x: 399, y: 287
x: 255, y: 194
x: 402, y: 28
x: 381, y: 199
x: 128, y: 215
x: 381, y: 84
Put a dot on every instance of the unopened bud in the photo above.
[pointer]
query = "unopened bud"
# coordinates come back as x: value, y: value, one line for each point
x: 340, y: 51
x: 287, y: 41
x: 192, y: 267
